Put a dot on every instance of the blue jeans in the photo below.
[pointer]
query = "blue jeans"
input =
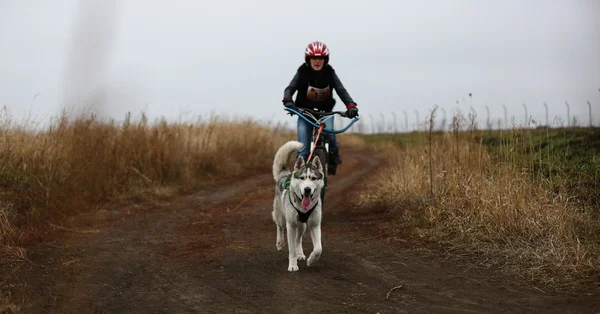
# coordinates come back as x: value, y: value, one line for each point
x: 305, y: 130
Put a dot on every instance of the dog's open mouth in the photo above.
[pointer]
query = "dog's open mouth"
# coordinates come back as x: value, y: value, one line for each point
x: 306, y: 202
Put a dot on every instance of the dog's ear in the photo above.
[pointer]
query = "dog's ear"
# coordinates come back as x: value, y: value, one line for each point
x: 299, y: 163
x: 317, y: 163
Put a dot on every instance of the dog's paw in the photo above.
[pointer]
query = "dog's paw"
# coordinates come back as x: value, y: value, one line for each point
x: 280, y: 245
x: 301, y: 256
x: 312, y: 259
x: 292, y: 268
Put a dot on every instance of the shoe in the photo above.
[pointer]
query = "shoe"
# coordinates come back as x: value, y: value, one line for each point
x: 331, y: 169
x: 334, y: 160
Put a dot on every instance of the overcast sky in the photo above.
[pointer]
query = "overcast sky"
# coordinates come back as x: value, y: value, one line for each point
x: 169, y: 58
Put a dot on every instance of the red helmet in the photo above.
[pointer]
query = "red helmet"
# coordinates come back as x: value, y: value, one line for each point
x: 316, y: 49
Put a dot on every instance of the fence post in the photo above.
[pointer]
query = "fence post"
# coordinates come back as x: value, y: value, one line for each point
x: 505, y: 117
x: 418, y: 119
x: 487, y: 122
x: 568, y: 115
x: 546, y: 106
x: 443, y: 119
x: 590, y: 108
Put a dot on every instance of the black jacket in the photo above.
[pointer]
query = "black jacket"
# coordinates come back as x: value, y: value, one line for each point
x: 315, y: 89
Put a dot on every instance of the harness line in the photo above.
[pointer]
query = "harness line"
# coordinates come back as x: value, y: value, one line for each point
x: 316, y: 141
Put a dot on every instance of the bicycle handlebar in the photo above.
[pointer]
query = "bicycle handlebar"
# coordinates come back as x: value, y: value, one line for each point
x: 323, y: 114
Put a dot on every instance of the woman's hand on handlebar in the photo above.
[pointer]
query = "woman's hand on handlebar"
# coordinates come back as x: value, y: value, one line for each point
x: 290, y: 105
x: 352, y: 113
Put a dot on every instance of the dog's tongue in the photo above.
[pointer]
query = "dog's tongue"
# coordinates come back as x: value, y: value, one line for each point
x: 306, y: 202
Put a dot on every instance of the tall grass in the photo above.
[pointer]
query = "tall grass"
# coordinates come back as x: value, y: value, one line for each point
x: 80, y: 163
x: 492, y: 203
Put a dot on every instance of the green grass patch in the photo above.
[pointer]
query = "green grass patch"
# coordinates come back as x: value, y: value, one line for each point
x: 565, y: 159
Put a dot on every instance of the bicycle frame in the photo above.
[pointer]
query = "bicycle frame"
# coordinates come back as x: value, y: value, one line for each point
x: 319, y: 122
x: 318, y: 144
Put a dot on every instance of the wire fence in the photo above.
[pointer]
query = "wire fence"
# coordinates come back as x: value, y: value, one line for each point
x: 404, y: 121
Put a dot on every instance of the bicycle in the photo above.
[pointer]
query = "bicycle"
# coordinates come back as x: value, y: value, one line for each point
x: 319, y: 145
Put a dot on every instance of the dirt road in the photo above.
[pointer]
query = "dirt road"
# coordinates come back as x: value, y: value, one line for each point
x: 214, y: 252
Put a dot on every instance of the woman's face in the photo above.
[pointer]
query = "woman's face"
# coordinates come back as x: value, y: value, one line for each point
x: 317, y: 63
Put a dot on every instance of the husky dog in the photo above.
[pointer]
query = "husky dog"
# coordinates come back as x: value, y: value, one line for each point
x: 297, y: 203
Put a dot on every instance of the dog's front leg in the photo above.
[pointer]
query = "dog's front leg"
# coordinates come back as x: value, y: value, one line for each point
x: 299, y: 251
x: 279, y: 220
x: 291, y: 237
x: 315, y: 235
x: 279, y: 244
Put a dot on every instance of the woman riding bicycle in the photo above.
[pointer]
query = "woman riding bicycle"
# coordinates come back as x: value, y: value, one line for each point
x: 314, y: 81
